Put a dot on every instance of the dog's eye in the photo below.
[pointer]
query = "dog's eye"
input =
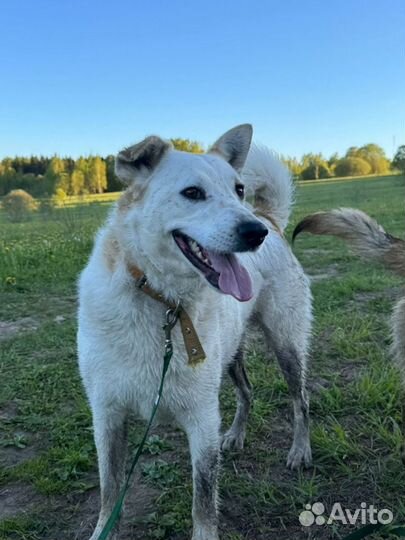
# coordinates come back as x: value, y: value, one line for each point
x: 194, y: 193
x: 240, y: 190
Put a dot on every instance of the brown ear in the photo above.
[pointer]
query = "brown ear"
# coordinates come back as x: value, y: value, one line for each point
x: 234, y: 145
x: 138, y: 161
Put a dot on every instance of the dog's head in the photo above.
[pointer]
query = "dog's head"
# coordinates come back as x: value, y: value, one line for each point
x: 185, y: 213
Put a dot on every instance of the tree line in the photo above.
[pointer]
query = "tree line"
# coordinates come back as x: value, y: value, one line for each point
x: 357, y: 161
x: 47, y: 177
x: 57, y: 176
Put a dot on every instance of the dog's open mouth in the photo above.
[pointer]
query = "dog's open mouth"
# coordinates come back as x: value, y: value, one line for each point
x: 222, y: 270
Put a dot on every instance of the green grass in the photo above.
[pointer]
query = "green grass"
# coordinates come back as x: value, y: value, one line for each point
x: 340, y: 179
x: 48, y: 474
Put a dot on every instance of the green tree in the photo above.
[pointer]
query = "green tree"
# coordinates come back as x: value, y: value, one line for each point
x: 352, y: 166
x: 77, y: 182
x: 113, y: 183
x: 186, y: 145
x: 293, y: 165
x: 352, y: 151
x: 314, y: 167
x: 373, y: 154
x: 333, y: 161
x: 96, y: 179
x: 59, y: 197
x: 8, y: 176
x: 56, y: 176
x: 399, y: 159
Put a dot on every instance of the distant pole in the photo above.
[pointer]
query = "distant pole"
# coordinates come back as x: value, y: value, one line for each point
x: 394, y: 145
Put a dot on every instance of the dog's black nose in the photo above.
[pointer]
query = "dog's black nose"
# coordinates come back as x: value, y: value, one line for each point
x: 251, y: 234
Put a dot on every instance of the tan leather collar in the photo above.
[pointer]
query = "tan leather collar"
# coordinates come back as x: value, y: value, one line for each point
x: 195, y: 351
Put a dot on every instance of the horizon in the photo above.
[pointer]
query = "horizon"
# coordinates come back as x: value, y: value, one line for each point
x: 311, y: 78
x: 205, y: 148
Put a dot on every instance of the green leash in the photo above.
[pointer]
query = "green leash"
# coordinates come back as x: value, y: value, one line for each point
x: 171, y: 320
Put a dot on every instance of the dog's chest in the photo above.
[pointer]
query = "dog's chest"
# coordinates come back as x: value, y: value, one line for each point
x: 128, y: 334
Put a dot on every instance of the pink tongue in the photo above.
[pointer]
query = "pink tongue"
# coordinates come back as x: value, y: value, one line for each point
x: 233, y: 277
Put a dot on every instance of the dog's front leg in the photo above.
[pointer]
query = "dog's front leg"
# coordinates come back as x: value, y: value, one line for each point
x: 110, y: 434
x: 204, y: 439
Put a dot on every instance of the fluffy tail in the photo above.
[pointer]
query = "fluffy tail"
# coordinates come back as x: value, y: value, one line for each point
x: 364, y: 234
x: 269, y: 181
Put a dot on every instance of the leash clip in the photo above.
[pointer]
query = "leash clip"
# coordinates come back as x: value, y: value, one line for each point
x: 172, y: 316
x: 141, y: 282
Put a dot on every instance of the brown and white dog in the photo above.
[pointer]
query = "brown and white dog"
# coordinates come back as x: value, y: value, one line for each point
x: 369, y: 240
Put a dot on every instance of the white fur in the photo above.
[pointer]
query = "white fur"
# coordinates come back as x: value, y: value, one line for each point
x: 120, y: 336
x: 267, y: 176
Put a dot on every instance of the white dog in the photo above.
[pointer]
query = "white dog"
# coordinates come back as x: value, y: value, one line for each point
x: 180, y: 223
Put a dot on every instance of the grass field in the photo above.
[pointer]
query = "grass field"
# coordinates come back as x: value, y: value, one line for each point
x: 48, y: 474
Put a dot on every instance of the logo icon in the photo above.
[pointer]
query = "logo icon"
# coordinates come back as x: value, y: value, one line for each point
x: 313, y: 514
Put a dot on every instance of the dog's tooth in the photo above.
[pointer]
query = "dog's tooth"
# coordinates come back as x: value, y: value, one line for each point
x: 197, y: 250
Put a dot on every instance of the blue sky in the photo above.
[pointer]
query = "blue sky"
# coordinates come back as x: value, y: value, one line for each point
x: 89, y: 76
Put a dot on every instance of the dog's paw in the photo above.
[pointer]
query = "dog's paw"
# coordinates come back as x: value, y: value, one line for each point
x: 299, y: 456
x: 233, y: 440
x: 113, y: 536
x: 200, y: 534
x: 97, y: 532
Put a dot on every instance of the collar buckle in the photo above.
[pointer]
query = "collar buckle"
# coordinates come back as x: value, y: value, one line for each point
x: 141, y: 282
